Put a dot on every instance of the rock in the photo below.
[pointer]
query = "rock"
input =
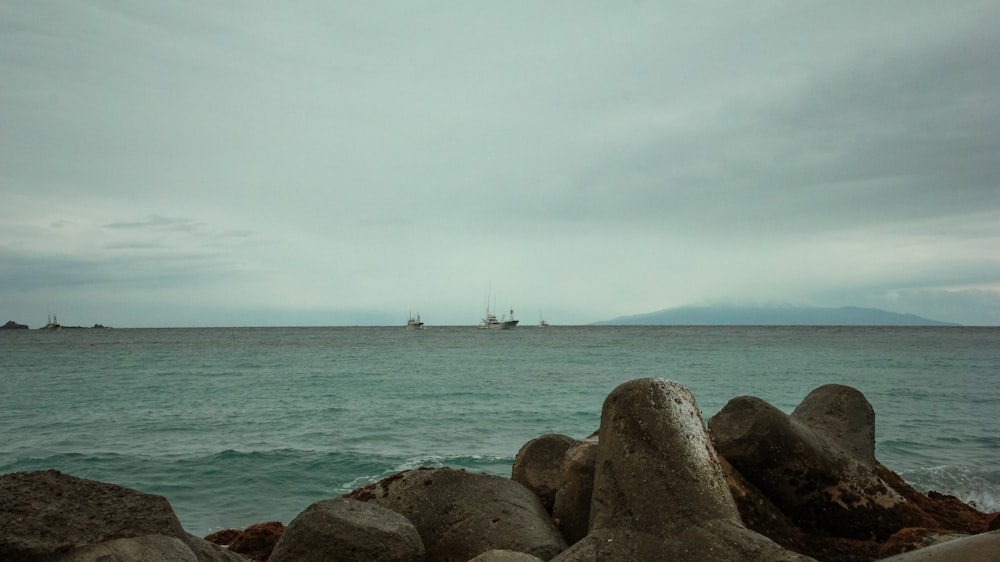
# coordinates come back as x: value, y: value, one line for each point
x: 709, y: 541
x: 207, y: 551
x: 538, y: 466
x: 913, y: 538
x: 571, y: 509
x: 614, y: 544
x: 349, y: 531
x: 257, y: 541
x: 46, y: 512
x: 461, y: 515
x: 808, y: 476
x: 656, y: 469
x: 946, y: 511
x: 224, y: 537
x: 505, y: 556
x: 724, y: 539
x: 759, y: 513
x: 146, y: 547
x: 11, y: 325
x: 984, y: 547
x: 844, y: 416
x: 811, y: 482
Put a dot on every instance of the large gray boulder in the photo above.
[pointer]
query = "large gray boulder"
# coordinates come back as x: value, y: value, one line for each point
x: 660, y: 492
x: 614, y: 544
x: 134, y: 549
x: 571, y: 509
x: 48, y: 512
x: 722, y: 540
x: 812, y: 477
x: 844, y: 416
x: 538, y: 466
x: 460, y: 515
x: 348, y: 531
x: 656, y: 469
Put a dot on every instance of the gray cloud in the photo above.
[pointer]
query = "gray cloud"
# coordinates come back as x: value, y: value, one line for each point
x: 594, y: 161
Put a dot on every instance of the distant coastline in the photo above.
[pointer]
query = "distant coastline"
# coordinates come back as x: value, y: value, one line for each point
x: 772, y: 316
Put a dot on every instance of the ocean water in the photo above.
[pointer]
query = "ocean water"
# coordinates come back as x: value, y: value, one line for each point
x: 236, y: 426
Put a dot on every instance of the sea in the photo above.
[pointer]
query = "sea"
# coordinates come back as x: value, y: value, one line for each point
x: 236, y: 426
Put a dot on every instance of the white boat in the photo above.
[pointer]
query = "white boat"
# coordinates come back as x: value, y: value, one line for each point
x: 504, y: 322
x: 542, y: 322
x: 414, y: 323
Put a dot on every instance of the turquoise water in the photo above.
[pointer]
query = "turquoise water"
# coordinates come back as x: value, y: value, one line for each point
x: 243, y: 425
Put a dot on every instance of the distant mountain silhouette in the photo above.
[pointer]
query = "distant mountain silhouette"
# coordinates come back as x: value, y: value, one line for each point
x: 772, y: 316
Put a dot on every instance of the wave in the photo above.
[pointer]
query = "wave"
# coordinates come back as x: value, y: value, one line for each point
x: 977, y: 487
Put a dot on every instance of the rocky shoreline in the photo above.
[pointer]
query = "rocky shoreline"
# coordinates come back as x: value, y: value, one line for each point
x: 653, y: 483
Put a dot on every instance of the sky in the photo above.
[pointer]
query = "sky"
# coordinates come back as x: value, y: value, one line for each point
x: 315, y: 162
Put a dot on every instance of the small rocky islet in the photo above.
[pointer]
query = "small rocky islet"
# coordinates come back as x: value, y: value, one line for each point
x: 652, y: 483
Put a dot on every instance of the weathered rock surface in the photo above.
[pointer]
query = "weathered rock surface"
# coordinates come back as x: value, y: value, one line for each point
x: 11, y: 325
x: 615, y: 543
x: 461, y: 515
x: 538, y: 466
x: 571, y: 509
x: 45, y: 512
x: 257, y: 541
x: 505, y: 556
x: 809, y: 477
x: 844, y: 416
x: 207, y: 551
x: 721, y: 540
x: 660, y: 492
x: 811, y: 481
x: 49, y: 512
x: 656, y: 469
x: 349, y: 531
x: 146, y: 547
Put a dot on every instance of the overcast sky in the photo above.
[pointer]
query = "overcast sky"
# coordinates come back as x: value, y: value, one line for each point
x: 312, y: 162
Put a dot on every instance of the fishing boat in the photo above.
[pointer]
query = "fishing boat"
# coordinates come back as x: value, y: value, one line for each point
x: 414, y: 323
x: 542, y: 322
x: 491, y: 321
x: 53, y: 323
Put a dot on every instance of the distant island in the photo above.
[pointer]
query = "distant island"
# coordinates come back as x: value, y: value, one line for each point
x: 772, y: 316
x: 51, y: 326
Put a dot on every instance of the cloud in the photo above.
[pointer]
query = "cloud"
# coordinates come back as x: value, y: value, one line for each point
x: 157, y: 222
x: 592, y: 160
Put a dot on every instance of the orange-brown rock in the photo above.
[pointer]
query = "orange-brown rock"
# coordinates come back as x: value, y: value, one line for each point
x: 257, y: 541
